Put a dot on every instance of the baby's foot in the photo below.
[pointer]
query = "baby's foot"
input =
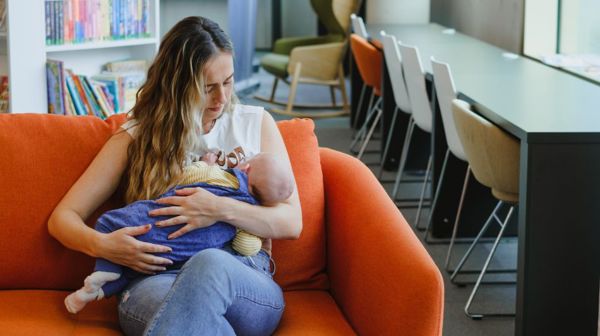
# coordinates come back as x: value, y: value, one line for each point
x: 92, y: 290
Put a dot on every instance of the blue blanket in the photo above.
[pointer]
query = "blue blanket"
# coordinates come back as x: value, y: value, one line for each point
x: 183, y: 247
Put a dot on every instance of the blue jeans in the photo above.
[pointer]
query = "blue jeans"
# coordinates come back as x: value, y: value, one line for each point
x: 216, y: 292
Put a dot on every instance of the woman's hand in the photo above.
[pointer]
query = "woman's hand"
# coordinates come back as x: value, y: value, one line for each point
x: 195, y: 207
x: 121, y: 247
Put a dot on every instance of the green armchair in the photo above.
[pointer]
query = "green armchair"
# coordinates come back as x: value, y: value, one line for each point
x: 313, y: 59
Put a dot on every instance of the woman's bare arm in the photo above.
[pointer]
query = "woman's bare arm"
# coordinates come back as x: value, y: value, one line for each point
x: 95, y: 186
x: 200, y: 208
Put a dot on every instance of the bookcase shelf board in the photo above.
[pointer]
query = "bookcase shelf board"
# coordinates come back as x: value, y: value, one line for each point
x: 102, y: 44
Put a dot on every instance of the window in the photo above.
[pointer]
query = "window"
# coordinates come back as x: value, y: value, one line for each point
x: 565, y: 34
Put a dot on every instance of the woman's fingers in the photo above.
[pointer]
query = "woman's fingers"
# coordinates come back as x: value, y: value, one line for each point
x: 150, y: 264
x: 171, y: 200
x: 167, y: 211
x: 137, y: 230
x: 187, y: 228
x: 172, y: 221
x: 154, y: 248
x: 186, y: 191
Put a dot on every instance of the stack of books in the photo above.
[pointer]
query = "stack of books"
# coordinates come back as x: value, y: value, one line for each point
x: 77, y: 21
x: 112, y: 91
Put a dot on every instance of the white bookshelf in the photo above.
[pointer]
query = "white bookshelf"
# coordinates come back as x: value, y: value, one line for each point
x: 27, y: 53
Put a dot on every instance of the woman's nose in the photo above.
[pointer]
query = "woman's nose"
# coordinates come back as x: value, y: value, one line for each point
x: 220, y: 95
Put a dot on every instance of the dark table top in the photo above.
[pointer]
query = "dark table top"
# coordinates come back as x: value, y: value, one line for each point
x: 534, y: 102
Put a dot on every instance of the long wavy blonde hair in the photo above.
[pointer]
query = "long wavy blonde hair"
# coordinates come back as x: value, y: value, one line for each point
x: 169, y: 104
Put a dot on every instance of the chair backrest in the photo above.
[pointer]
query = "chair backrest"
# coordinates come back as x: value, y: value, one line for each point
x: 492, y: 153
x: 334, y: 14
x: 446, y: 92
x: 394, y: 66
x: 320, y: 62
x: 415, y: 84
x: 358, y: 26
x: 368, y: 60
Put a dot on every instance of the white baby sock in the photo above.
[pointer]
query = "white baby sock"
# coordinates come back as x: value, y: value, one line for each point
x: 91, y: 290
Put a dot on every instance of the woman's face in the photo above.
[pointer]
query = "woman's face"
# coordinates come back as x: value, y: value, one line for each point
x: 218, y: 76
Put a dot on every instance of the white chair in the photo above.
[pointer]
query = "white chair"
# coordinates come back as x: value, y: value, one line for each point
x: 421, y: 112
x: 446, y: 92
x: 396, y: 75
x: 358, y: 26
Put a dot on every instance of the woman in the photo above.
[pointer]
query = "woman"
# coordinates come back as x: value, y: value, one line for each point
x: 185, y: 109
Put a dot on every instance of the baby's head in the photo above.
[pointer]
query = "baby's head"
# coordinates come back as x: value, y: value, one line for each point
x: 269, y: 178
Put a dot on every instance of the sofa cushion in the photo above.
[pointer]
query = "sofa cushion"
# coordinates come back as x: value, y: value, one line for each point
x: 312, y: 313
x: 301, y: 263
x: 42, y: 156
x: 276, y: 64
x: 42, y: 312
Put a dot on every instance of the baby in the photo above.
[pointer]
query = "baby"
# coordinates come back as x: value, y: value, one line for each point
x: 264, y: 179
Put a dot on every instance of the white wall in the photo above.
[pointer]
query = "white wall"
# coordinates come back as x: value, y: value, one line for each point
x: 171, y: 11
x: 397, y: 11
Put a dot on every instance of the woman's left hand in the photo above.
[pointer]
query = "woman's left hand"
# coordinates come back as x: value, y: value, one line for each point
x: 194, y: 207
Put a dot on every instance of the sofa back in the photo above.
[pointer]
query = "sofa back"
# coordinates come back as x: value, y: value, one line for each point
x: 41, y: 156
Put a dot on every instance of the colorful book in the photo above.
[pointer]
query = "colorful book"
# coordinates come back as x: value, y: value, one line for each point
x: 74, y: 95
x: 55, y: 84
x: 115, y: 85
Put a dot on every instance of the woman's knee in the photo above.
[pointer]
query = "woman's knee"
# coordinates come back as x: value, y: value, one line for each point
x: 210, y: 263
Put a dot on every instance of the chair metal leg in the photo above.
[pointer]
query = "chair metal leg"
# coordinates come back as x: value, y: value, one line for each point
x: 476, y: 241
x: 363, y: 128
x: 359, y: 106
x: 388, y: 142
x: 427, y: 172
x: 478, y: 316
x: 457, y: 219
x: 403, y: 156
x: 436, y: 196
x: 370, y: 133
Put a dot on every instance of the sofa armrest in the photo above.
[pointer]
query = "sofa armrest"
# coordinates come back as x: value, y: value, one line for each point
x: 285, y: 45
x: 381, y: 276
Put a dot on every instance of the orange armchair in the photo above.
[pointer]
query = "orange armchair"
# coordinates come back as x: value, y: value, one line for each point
x: 356, y: 269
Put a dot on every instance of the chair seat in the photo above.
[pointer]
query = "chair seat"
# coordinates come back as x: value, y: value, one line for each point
x: 276, y: 64
x: 42, y: 312
x: 508, y: 197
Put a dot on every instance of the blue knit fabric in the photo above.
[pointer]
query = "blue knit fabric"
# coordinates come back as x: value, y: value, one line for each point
x: 183, y: 247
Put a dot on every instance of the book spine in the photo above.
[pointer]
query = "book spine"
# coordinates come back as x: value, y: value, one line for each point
x: 60, y: 21
x: 51, y: 82
x: 74, y: 95
x: 81, y: 95
x: 89, y: 96
x: 48, y: 22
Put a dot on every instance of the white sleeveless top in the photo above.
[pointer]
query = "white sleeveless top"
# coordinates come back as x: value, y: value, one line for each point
x: 233, y: 133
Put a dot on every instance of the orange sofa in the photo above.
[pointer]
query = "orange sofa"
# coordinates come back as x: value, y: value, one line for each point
x: 356, y: 269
